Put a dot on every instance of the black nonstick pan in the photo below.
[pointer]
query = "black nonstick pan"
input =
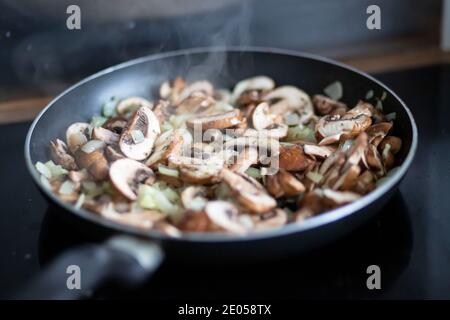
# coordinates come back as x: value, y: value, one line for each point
x: 130, y: 255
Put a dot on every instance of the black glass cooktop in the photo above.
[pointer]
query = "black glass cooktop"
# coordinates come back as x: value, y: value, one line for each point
x: 409, y: 240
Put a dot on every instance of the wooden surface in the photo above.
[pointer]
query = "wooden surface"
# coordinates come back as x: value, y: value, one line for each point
x: 25, y: 109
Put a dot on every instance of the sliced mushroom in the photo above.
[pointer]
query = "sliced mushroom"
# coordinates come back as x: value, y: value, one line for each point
x: 261, y: 117
x: 161, y: 111
x: 273, y: 186
x: 366, y: 183
x: 143, y: 220
x: 94, y: 162
x: 270, y: 220
x: 326, y: 106
x: 245, y: 159
x: 194, y: 198
x: 78, y: 176
x: 196, y: 103
x: 289, y: 183
x: 224, y: 214
x: 378, y: 131
x: 77, y: 135
x: 216, y: 121
x: 136, y: 142
x: 61, y: 156
x: 348, y: 178
x: 310, y: 205
x: 168, y: 144
x: 318, y: 151
x: 112, y: 154
x: 373, y: 158
x: 290, y: 99
x: 202, y: 86
x: 116, y: 124
x: 394, y: 142
x: 105, y: 135
x: 172, y: 91
x: 127, y: 174
x: 340, y: 197
x: 130, y: 105
x: 258, y: 83
x: 248, y: 192
x: 198, y: 171
x: 293, y: 158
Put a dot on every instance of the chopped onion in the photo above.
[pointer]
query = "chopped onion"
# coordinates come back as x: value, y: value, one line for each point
x: 92, y: 146
x: 98, y: 121
x: 254, y: 173
x: 387, y: 148
x: 109, y: 107
x: 301, y: 132
x: 166, y: 126
x: 137, y: 136
x: 391, y: 116
x: 392, y: 171
x: 80, y: 201
x: 68, y: 187
x: 334, y: 90
x: 383, y: 96
x: 369, y: 95
x: 43, y: 170
x: 56, y: 170
x: 197, y: 203
x: 168, y: 171
x: 379, y: 105
x: 292, y: 119
x: 314, y: 176
x: 382, y: 181
x: 91, y: 188
x: 347, y: 144
x: 45, y: 182
x: 152, y: 198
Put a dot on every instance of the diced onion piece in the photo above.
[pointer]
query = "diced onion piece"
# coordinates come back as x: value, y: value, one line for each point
x: 68, y: 187
x: 80, y: 201
x: 109, y: 107
x: 56, y: 170
x: 301, y: 132
x: 369, y: 94
x: 382, y: 181
x: 334, y: 90
x: 43, y: 170
x: 149, y: 196
x: 98, y: 121
x: 347, y: 144
x: 254, y: 173
x: 197, y: 203
x: 45, y: 182
x: 379, y: 105
x: 392, y: 171
x: 137, y: 136
x: 314, y: 176
x: 168, y: 171
x: 92, y: 146
x: 387, y: 148
x: 391, y: 116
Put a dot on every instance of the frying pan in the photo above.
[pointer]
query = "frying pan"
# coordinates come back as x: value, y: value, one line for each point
x: 129, y: 255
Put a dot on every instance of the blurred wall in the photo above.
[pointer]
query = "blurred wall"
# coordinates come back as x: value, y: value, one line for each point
x: 38, y: 52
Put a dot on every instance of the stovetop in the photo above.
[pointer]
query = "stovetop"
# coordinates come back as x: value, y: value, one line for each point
x: 409, y: 240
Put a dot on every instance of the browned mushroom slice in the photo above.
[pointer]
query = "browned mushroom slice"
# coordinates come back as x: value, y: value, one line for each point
x: 172, y: 90
x: 395, y: 144
x: 61, y: 156
x: 116, y: 124
x: 288, y: 99
x: 335, y: 126
x: 167, y: 229
x: 194, y: 198
x: 78, y: 176
x: 167, y: 144
x: 130, y: 105
x: 105, y: 135
x: 248, y: 192
x: 216, y: 121
x: 273, y: 186
x: 275, y: 131
x: 143, y: 220
x: 378, y: 131
x: 195, y: 103
x: 270, y: 220
x: 245, y: 159
x: 77, y: 135
x: 258, y: 83
x: 373, y: 158
x: 127, y: 174
x: 198, y: 171
x: 112, y: 154
x: 325, y: 105
x: 356, y: 151
x: 318, y: 151
x: 348, y: 178
x: 224, y: 215
x: 337, y: 198
x: 202, y: 86
x: 361, y: 109
x: 289, y: 183
x: 310, y: 205
x: 366, y: 183
x: 293, y: 158
x: 91, y: 157
x: 136, y: 142
x: 161, y: 111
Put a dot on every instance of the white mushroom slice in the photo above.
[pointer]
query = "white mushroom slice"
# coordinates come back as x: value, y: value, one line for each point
x: 260, y: 83
x: 249, y: 194
x: 216, y: 121
x: 328, y: 126
x: 94, y: 162
x: 291, y: 99
x: 195, y: 103
x: 194, y: 198
x: 136, y: 142
x: 276, y: 131
x: 172, y: 91
x: 77, y: 135
x: 270, y: 220
x: 131, y: 104
x: 224, y: 214
x: 143, y: 220
x: 105, y: 135
x: 127, y: 174
x: 167, y: 144
x: 318, y: 151
x: 199, y: 86
x: 261, y: 117
x: 340, y: 197
x: 61, y: 156
x: 198, y: 171
x: 245, y: 159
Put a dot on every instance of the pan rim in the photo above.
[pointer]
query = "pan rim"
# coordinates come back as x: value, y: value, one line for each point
x: 197, y: 237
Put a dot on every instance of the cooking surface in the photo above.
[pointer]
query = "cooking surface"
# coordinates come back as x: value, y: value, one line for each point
x: 409, y: 239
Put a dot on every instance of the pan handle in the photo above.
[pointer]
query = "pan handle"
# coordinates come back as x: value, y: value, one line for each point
x: 77, y: 273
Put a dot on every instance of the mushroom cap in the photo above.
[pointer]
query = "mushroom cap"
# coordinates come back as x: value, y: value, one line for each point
x: 224, y: 214
x: 144, y: 121
x: 126, y: 174
x: 77, y: 135
x: 293, y: 158
x: 270, y: 220
x: 194, y: 198
x: 261, y: 118
x: 291, y: 98
x: 105, y: 135
x: 255, y: 83
x: 250, y: 195
x: 217, y: 120
x: 61, y: 156
x: 167, y: 144
x: 131, y: 104
x: 245, y: 159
